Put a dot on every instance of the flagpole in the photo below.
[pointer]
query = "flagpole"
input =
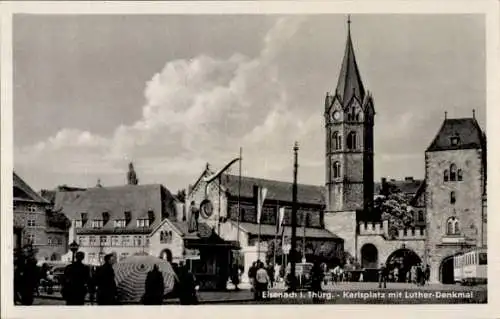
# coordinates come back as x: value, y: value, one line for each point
x: 304, y: 237
x: 239, y: 203
x: 258, y: 242
x: 277, y: 229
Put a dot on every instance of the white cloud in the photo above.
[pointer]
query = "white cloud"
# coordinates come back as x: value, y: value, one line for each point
x: 196, y: 111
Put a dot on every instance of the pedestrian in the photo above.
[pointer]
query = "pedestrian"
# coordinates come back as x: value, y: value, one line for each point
x: 235, y: 276
x: 427, y: 273
x: 261, y: 281
x: 105, y: 282
x: 18, y: 278
x: 76, y: 281
x: 30, y: 281
x: 396, y: 274
x: 187, y: 287
x: 155, y: 287
x: 270, y: 272
x: 316, y: 277
x: 382, y: 276
x: 251, y: 274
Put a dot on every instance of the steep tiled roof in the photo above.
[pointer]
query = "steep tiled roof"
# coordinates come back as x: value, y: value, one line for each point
x: 136, y: 199
x: 416, y: 200
x: 406, y: 186
x: 276, y: 190
x: 349, y: 82
x: 24, y: 192
x: 467, y: 129
x: 270, y: 230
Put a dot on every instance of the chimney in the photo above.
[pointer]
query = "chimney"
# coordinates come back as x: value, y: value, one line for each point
x: 105, y: 218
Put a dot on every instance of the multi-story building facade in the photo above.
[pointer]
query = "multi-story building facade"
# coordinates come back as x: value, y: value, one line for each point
x: 115, y: 219
x: 455, y: 194
x: 35, y: 223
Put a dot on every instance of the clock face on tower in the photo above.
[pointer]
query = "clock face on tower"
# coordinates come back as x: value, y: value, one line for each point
x: 336, y: 115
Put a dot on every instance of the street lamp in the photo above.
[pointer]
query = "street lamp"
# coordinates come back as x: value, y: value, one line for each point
x: 74, y: 248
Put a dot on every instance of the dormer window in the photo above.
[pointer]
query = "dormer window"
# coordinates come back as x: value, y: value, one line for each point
x: 143, y: 223
x: 97, y: 223
x: 455, y: 140
x: 120, y: 223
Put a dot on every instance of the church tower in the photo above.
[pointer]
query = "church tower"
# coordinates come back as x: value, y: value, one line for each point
x: 349, y: 119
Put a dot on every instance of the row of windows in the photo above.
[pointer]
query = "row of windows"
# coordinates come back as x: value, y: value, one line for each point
x: 128, y: 241
x: 453, y: 174
x: 119, y: 223
x: 30, y: 208
x: 351, y: 142
x: 56, y: 241
x: 473, y: 258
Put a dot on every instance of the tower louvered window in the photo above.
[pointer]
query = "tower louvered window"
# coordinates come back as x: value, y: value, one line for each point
x: 352, y: 141
x: 336, y: 170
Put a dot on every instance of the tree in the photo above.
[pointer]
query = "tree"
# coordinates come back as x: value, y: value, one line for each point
x: 181, y: 195
x: 396, y: 210
x: 57, y: 219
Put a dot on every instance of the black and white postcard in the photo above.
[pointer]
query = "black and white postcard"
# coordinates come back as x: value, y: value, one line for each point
x: 188, y: 154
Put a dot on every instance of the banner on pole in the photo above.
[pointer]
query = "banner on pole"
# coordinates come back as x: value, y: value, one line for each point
x: 281, y: 217
x: 261, y: 196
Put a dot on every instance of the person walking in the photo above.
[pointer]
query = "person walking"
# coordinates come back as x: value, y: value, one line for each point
x: 235, y: 276
x: 396, y: 274
x: 76, y: 281
x: 427, y: 273
x: 261, y: 281
x: 155, y: 287
x: 316, y: 279
x: 270, y: 272
x: 187, y: 287
x: 30, y: 281
x: 382, y: 276
x: 105, y: 282
x: 251, y: 274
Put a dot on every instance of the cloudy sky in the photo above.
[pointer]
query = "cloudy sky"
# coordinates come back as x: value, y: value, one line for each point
x: 171, y: 93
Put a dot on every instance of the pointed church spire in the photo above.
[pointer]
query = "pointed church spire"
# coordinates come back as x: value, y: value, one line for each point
x: 131, y: 175
x: 349, y: 83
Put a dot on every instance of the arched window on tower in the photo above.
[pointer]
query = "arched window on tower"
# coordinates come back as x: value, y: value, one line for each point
x: 351, y: 141
x: 336, y: 170
x: 351, y: 114
x: 446, y: 175
x: 453, y: 172
x: 453, y: 198
x: 459, y: 175
x: 452, y: 226
x: 337, y: 141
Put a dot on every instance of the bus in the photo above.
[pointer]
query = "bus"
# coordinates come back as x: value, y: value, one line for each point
x: 470, y: 267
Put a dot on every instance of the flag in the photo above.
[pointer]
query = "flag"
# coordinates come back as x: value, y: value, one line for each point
x: 279, y: 220
x: 261, y: 196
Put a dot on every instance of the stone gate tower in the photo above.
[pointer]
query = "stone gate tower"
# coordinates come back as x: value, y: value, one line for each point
x: 349, y: 118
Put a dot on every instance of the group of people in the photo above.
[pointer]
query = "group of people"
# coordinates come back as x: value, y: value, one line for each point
x: 98, y: 283
x: 261, y: 277
x: 418, y: 274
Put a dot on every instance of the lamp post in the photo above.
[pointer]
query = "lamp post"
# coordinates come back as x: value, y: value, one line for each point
x: 293, y: 248
x: 74, y: 248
